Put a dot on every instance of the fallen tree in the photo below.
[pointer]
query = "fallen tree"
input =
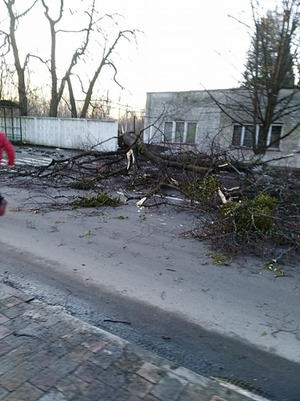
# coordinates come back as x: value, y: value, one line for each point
x: 240, y: 207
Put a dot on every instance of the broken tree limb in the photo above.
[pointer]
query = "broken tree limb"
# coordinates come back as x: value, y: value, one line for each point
x: 172, y: 163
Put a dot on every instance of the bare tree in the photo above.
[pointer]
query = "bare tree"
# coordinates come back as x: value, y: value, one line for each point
x: 105, y: 60
x: 55, y: 94
x: 6, y: 79
x: 110, y: 45
x: 96, y: 48
x: 270, y: 69
x: 57, y: 89
x: 11, y: 43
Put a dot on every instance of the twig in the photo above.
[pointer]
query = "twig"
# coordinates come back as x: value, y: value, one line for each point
x: 116, y: 321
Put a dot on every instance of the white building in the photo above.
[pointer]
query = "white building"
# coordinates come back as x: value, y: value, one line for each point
x: 222, y: 120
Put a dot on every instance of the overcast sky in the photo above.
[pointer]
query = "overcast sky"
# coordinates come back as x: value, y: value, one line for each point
x: 187, y: 45
x: 183, y: 44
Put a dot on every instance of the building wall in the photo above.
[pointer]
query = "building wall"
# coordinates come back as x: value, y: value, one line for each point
x: 185, y: 106
x: 214, y: 128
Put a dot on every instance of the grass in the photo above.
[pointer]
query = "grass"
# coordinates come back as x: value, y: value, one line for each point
x: 98, y: 200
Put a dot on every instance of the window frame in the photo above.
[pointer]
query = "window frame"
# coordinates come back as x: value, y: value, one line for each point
x: 243, y: 131
x: 277, y: 143
x: 177, y: 135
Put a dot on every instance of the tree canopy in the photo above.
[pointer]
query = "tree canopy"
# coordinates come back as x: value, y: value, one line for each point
x: 72, y: 36
x: 270, y: 69
x: 270, y: 59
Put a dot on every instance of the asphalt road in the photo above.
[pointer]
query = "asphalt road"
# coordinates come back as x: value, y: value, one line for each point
x: 134, y: 273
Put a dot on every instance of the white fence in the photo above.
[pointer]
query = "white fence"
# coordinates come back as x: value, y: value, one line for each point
x: 69, y: 133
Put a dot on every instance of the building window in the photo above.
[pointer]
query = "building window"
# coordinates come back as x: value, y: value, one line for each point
x: 191, y: 132
x: 275, y: 135
x: 243, y: 135
x: 179, y: 132
x: 236, y: 135
x: 168, y: 132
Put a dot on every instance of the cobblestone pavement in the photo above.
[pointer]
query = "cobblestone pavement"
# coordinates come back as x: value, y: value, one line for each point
x: 48, y: 355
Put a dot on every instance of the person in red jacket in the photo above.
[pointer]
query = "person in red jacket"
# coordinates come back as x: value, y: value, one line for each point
x: 7, y: 147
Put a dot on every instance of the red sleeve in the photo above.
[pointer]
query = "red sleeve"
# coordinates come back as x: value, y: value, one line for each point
x: 8, y: 148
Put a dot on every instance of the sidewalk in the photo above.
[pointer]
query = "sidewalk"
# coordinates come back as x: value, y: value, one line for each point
x: 48, y: 355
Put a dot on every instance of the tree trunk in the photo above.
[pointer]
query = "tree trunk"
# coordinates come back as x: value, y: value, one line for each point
x: 72, y: 99
x: 20, y: 70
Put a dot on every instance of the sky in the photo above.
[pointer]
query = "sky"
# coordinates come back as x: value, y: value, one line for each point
x: 181, y: 45
x: 186, y: 45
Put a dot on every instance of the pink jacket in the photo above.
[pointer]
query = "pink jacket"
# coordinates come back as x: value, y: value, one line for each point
x: 7, y: 147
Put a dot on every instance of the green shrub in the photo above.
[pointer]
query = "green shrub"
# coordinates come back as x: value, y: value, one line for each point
x: 101, y: 199
x: 84, y: 183
x: 248, y: 216
x: 205, y: 192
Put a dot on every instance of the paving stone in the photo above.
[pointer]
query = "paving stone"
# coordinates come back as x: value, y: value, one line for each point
x: 169, y: 387
x: 47, y: 355
x: 88, y: 372
x: 6, y: 363
x: 19, y: 354
x: 58, y: 346
x: 49, y: 320
x: 4, y: 332
x: 114, y: 377
x: 3, y: 318
x: 80, y: 354
x: 3, y: 392
x: 53, y: 396
x: 12, y: 397
x: 71, y: 387
x: 43, y: 358
x: 34, y: 330
x: 147, y: 356
x: 192, y: 377
x: 138, y: 386
x: 37, y: 312
x: 94, y: 345
x: 17, y: 323
x: 33, y: 343
x: 10, y: 302
x: 8, y: 292
x: 26, y: 392
x: 63, y: 366
x: 194, y: 393
x: 150, y: 397
x: 45, y: 379
x: 130, y: 361
x: 106, y: 357
x: 150, y: 372
x: 15, y: 310
x: 73, y: 337
x: 18, y: 375
x: 36, y: 306
x: 4, y: 347
x: 99, y: 391
x: 77, y: 398
x: 124, y: 395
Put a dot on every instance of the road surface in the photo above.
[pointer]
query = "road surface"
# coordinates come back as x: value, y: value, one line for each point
x: 135, y: 273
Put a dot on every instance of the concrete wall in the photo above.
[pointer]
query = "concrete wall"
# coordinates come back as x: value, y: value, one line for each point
x: 185, y: 106
x: 70, y: 133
